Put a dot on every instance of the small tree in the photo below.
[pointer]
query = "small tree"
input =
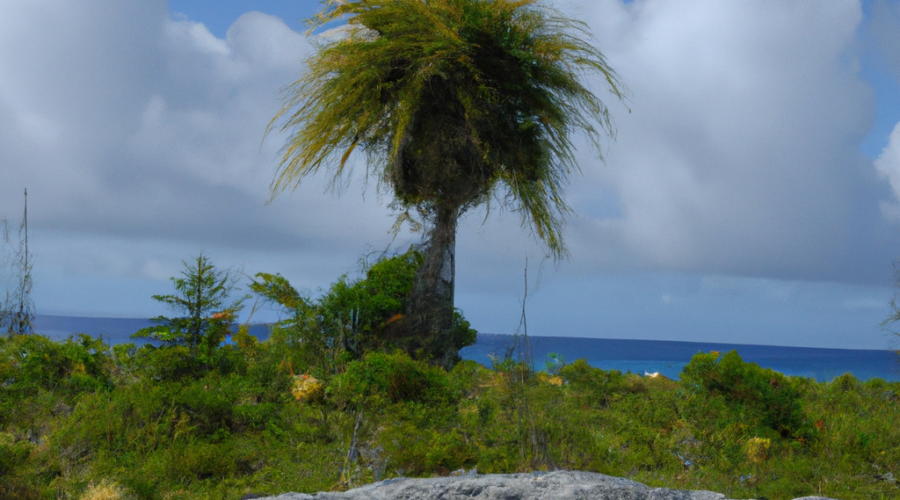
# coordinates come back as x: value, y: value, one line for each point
x: 202, y: 295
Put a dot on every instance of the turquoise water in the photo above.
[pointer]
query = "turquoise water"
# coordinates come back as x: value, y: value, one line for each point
x: 636, y: 356
x: 668, y: 358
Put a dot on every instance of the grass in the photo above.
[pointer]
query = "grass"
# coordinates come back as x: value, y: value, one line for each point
x: 79, y: 420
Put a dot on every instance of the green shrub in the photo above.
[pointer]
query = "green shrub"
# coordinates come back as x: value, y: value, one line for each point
x: 354, y: 317
x: 240, y: 431
x: 40, y: 378
x: 79, y: 364
x: 162, y: 426
x: 467, y: 376
x: 165, y: 363
x: 208, y: 405
x: 747, y: 387
x: 845, y: 382
x: 595, y: 385
x: 392, y: 378
x: 198, y: 461
x: 417, y: 451
x: 13, y: 454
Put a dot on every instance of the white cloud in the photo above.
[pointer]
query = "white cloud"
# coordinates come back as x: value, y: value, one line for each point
x: 139, y: 139
x: 739, y: 155
x: 138, y: 136
x: 888, y: 165
x: 131, y: 123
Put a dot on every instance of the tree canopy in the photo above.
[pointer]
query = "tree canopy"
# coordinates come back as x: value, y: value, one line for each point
x: 450, y: 100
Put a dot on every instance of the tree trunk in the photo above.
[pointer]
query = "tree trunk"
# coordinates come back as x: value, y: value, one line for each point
x: 429, y: 309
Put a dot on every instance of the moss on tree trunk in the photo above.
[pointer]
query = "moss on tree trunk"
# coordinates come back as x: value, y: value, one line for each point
x: 429, y: 310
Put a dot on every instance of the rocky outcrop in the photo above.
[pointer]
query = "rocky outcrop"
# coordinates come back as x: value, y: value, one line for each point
x: 559, y: 485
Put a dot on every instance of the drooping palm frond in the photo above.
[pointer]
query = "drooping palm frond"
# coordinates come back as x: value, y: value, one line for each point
x: 448, y: 98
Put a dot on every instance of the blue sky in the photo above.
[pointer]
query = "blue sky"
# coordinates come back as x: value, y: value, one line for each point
x: 751, y: 195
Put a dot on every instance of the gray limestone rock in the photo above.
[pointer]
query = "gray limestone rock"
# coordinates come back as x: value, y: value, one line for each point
x: 559, y: 485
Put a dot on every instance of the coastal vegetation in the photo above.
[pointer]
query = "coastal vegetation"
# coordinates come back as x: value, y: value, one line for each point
x: 202, y: 295
x: 331, y: 400
x: 454, y: 103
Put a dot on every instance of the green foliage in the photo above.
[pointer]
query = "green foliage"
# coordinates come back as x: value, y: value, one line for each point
x: 307, y: 345
x: 77, y: 414
x: 358, y: 311
x: 163, y: 363
x: 30, y: 364
x: 352, y: 317
x: 451, y: 99
x: 202, y: 295
x: 237, y: 429
x: 761, y: 395
x: 595, y: 385
x: 462, y: 334
x: 391, y: 378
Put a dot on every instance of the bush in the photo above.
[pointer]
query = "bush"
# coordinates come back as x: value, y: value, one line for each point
x: 32, y: 365
x: 12, y: 454
x: 354, y: 317
x: 227, y: 434
x: 162, y: 364
x: 75, y: 420
x: 104, y: 490
x: 593, y: 383
x: 393, y: 378
x: 746, y: 386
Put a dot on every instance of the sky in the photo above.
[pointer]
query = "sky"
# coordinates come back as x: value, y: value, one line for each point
x: 751, y: 194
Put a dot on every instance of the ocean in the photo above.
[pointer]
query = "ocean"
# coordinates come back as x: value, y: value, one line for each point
x: 636, y: 356
x: 112, y: 330
x: 669, y: 357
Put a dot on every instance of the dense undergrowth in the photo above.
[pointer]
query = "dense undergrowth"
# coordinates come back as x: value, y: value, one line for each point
x: 81, y: 420
x: 330, y: 401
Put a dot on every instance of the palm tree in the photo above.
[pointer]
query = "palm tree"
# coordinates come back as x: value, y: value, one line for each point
x: 453, y: 102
